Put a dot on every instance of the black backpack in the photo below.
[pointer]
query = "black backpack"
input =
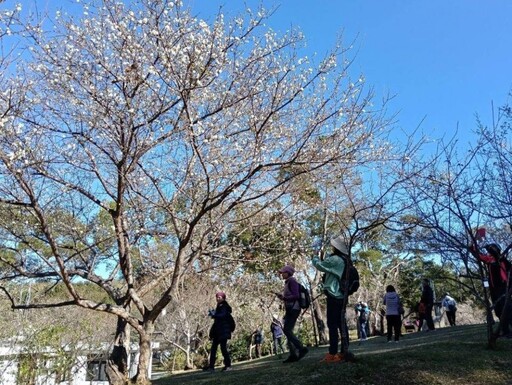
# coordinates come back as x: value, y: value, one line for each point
x: 353, y: 277
x: 304, y: 297
x: 232, y: 323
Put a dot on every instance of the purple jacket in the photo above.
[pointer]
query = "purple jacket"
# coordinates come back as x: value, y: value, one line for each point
x: 291, y: 293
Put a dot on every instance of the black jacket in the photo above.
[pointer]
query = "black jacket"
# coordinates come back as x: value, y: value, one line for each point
x: 221, y: 328
x: 427, y: 296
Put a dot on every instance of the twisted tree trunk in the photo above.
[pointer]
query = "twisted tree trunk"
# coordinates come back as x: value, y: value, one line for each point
x: 117, y: 364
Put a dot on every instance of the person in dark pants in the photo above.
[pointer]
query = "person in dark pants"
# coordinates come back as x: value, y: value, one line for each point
x: 333, y: 267
x: 257, y: 340
x: 498, y: 270
x: 277, y: 335
x: 364, y: 319
x: 393, y: 317
x: 427, y: 299
x: 450, y: 306
x: 290, y: 297
x: 220, y: 331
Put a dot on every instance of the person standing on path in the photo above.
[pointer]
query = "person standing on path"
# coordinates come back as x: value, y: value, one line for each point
x: 333, y: 266
x: 276, y: 328
x: 450, y: 306
x: 393, y: 317
x: 220, y: 331
x: 364, y: 319
x: 427, y: 299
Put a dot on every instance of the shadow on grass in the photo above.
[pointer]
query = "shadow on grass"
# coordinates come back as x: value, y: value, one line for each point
x: 456, y: 355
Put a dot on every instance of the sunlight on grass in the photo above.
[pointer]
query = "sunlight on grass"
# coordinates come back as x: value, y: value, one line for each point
x: 448, y: 356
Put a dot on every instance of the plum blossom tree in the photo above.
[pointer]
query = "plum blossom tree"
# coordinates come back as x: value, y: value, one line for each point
x: 140, y: 129
x: 458, y: 196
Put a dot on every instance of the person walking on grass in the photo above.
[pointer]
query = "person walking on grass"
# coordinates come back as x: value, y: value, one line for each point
x: 277, y: 335
x: 393, y: 317
x: 333, y: 266
x: 220, y: 331
x: 290, y: 297
x: 426, y: 305
x: 256, y: 341
x: 364, y: 318
x: 450, y: 306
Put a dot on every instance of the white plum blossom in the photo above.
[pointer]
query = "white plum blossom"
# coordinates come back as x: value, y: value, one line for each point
x: 162, y: 125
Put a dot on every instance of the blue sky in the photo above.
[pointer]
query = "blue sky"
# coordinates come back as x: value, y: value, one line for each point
x: 445, y: 60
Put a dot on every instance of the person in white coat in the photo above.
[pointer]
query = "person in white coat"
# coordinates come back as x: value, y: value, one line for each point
x: 393, y: 318
x: 450, y: 306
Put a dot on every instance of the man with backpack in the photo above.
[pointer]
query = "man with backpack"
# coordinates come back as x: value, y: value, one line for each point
x: 256, y: 342
x: 450, y: 305
x: 333, y: 266
x: 364, y: 317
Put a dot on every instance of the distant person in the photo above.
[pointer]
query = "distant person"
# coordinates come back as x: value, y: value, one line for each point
x: 357, y: 310
x: 426, y: 305
x: 220, y: 331
x: 450, y: 306
x: 333, y: 266
x: 290, y: 297
x: 368, y: 322
x: 257, y: 340
x: 364, y: 319
x: 393, y: 318
x: 276, y: 328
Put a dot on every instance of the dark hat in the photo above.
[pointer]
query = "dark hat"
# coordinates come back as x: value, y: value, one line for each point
x: 287, y: 269
x: 493, y: 249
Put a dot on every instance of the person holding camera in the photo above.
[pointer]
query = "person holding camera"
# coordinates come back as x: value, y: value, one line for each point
x: 220, y: 331
x: 333, y: 266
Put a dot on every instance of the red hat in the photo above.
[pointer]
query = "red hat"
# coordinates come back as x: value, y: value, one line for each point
x: 220, y: 294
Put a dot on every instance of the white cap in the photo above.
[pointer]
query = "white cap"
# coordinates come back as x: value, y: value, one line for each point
x: 339, y: 244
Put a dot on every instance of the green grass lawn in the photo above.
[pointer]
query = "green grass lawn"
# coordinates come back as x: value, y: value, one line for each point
x: 457, y: 355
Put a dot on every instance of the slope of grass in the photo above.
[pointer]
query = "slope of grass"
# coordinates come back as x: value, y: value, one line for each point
x: 457, y: 355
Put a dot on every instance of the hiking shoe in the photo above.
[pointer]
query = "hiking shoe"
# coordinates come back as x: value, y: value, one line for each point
x: 340, y: 356
x: 332, y: 358
x: 291, y: 359
x: 303, y: 352
x: 227, y: 369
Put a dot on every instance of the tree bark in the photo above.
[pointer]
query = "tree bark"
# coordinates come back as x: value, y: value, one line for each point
x: 321, y: 324
x: 117, y: 364
x: 142, y: 376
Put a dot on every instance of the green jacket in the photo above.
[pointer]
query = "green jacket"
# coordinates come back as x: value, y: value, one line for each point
x: 333, y: 267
